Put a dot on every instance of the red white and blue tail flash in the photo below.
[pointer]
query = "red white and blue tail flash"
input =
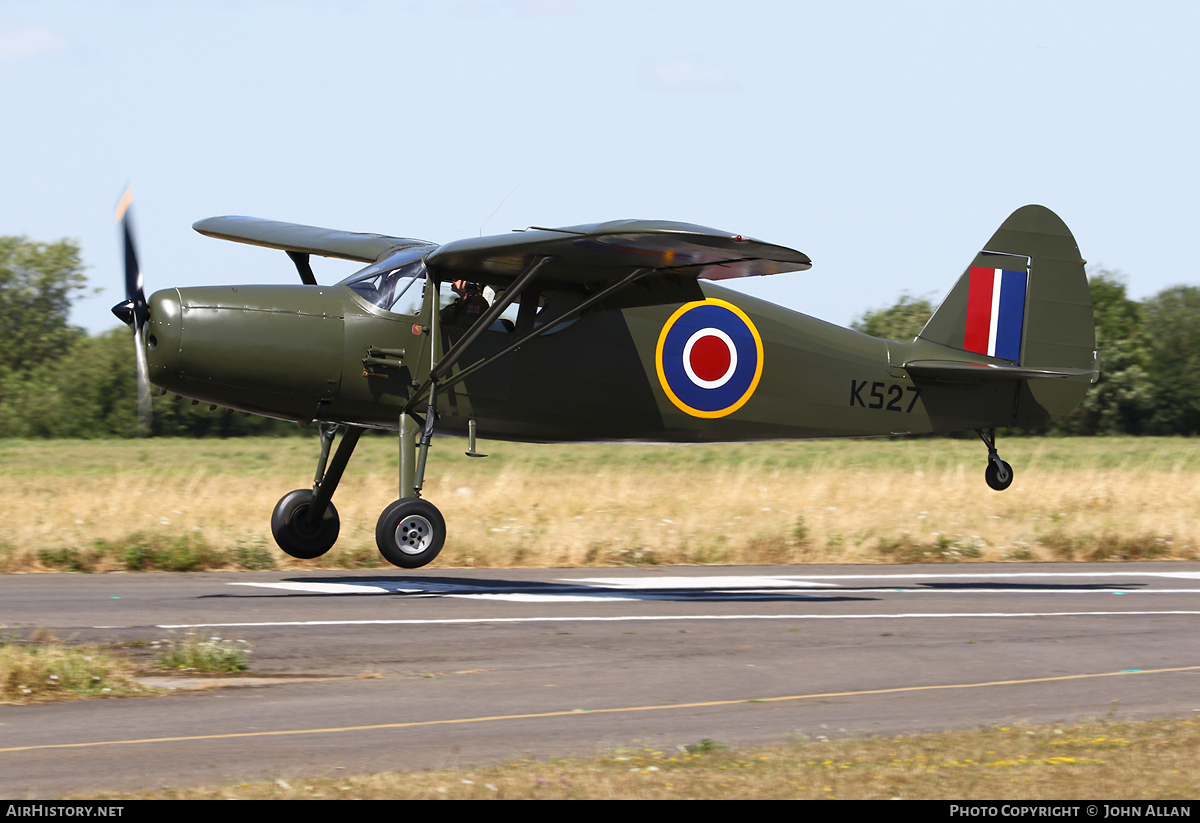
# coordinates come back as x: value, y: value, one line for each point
x: 996, y: 312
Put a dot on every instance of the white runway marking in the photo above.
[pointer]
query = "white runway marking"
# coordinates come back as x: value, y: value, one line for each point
x: 472, y: 592
x: 718, y: 582
x: 331, y: 588
x: 526, y: 597
x: 645, y: 618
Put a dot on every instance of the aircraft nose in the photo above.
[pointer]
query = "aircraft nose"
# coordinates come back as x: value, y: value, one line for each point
x: 164, y: 335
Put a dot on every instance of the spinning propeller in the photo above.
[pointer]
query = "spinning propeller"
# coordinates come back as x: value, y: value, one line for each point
x: 134, y: 311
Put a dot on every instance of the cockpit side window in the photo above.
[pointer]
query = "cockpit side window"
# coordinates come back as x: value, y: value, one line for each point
x: 390, y: 284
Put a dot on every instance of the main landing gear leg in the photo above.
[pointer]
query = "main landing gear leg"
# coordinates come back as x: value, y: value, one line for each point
x: 999, y: 475
x: 305, y: 523
x: 410, y: 532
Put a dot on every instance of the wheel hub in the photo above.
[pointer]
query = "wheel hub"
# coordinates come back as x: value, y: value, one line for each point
x: 301, y: 524
x: 414, y: 534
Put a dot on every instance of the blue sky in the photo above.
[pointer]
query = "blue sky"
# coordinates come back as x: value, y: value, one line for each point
x: 885, y: 140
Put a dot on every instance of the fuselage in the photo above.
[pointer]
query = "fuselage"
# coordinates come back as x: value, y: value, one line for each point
x: 323, y: 353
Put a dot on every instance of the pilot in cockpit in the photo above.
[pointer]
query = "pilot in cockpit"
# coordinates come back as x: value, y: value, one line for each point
x: 467, y: 307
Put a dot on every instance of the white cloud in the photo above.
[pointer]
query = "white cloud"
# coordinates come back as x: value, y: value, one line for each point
x: 689, y: 74
x: 30, y: 43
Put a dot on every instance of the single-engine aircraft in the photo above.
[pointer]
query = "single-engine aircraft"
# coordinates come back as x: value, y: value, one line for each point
x: 599, y: 332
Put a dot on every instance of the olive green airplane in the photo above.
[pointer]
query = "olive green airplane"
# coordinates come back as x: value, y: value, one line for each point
x: 601, y: 332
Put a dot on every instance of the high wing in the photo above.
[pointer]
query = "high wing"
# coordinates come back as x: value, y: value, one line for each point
x: 582, y: 253
x: 293, y: 237
x: 575, y: 257
x: 598, y: 252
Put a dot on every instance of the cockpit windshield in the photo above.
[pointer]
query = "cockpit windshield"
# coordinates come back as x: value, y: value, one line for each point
x: 388, y: 283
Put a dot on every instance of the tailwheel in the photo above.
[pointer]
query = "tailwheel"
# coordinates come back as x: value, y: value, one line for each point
x: 296, y: 534
x: 999, y: 474
x: 410, y: 533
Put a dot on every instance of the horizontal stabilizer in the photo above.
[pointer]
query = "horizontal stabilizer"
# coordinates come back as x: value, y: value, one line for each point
x: 965, y: 372
x: 348, y: 245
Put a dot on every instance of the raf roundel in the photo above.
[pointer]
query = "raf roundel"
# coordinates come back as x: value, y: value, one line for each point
x: 709, y: 358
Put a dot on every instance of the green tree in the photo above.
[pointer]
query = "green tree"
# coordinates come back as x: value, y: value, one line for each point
x: 56, y: 381
x: 1172, y: 323
x: 903, y: 321
x: 90, y: 391
x: 37, y: 282
x: 1121, y: 401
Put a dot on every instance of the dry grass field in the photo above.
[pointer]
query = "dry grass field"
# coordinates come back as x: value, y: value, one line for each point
x: 186, y: 504
x: 1142, y: 761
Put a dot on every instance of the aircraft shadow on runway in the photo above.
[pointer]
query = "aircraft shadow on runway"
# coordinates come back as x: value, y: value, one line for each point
x: 534, y: 591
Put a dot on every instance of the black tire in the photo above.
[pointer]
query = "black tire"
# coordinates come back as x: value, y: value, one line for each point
x: 410, y: 533
x: 295, y: 535
x: 998, y: 477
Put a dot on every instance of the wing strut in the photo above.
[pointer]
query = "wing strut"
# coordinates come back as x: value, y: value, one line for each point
x: 489, y: 317
x: 410, y: 485
x: 300, y: 258
x: 439, y: 368
x: 550, y: 324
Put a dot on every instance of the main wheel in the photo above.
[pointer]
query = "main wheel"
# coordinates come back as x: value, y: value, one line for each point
x: 410, y: 533
x: 295, y: 535
x: 999, y: 477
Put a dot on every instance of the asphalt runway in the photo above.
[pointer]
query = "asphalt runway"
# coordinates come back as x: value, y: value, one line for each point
x: 384, y: 669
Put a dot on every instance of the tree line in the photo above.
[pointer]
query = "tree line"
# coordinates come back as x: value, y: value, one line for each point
x: 58, y: 381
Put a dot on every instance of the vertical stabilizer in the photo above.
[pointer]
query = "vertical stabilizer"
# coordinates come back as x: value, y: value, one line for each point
x: 1024, y: 300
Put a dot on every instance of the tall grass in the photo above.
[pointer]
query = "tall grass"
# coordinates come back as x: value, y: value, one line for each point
x: 193, y: 651
x: 183, y: 504
x: 45, y: 672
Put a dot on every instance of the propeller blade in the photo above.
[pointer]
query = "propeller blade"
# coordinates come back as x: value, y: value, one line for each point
x: 145, y: 411
x: 135, y: 307
x: 134, y: 311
